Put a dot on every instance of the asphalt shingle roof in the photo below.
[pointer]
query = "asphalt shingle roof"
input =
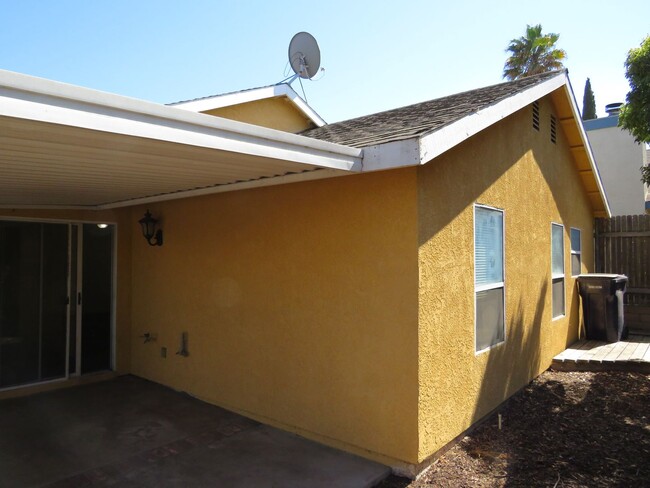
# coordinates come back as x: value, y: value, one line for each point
x: 421, y: 118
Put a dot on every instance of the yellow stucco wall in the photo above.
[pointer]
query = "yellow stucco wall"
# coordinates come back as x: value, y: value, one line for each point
x: 275, y: 113
x: 300, y: 304
x: 120, y: 218
x: 343, y: 309
x: 512, y: 167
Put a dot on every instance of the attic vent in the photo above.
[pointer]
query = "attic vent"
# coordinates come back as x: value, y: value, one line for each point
x: 536, y: 115
x: 553, y: 129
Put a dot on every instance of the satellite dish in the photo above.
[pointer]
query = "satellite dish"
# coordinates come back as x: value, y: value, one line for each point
x: 304, y: 55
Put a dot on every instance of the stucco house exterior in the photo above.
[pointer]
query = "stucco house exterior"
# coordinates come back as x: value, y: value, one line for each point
x: 619, y: 158
x: 378, y: 285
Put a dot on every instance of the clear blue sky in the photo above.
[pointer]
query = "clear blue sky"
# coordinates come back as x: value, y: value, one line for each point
x: 377, y: 55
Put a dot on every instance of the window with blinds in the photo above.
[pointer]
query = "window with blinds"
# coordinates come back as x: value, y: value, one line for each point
x: 557, y: 269
x: 489, y: 279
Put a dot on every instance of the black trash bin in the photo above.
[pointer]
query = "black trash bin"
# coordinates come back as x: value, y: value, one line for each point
x: 602, y: 305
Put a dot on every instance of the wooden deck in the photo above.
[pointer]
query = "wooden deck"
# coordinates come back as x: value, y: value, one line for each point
x: 632, y: 354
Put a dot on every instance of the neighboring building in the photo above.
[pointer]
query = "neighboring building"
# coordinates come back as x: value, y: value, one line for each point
x: 378, y: 285
x: 618, y: 158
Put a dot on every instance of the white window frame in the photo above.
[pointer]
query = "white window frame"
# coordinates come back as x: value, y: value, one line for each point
x: 575, y: 252
x: 491, y: 286
x: 557, y: 276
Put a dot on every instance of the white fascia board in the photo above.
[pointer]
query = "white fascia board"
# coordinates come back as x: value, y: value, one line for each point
x: 585, y: 141
x: 225, y: 100
x: 302, y: 105
x: 31, y: 98
x: 440, y: 141
x: 229, y: 99
x: 420, y: 150
x: 396, y: 154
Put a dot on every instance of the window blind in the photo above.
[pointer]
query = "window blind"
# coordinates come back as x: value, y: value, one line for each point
x: 488, y: 245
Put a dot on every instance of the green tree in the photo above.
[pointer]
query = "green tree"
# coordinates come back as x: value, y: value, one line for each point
x: 645, y: 174
x: 588, y: 103
x: 635, y: 114
x: 533, y: 54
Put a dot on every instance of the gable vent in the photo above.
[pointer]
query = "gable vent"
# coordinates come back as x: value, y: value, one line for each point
x: 553, y: 129
x: 536, y: 115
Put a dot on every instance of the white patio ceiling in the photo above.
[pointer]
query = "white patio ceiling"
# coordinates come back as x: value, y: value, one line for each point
x: 66, y: 146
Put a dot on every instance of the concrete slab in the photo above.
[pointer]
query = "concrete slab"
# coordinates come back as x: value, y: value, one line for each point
x: 129, y: 432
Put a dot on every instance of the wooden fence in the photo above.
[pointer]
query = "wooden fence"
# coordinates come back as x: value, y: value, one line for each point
x: 623, y: 247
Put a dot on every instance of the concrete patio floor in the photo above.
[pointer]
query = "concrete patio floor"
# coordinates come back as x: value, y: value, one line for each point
x: 129, y: 432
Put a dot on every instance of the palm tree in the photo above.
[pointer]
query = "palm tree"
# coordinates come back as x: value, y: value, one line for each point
x: 533, y: 54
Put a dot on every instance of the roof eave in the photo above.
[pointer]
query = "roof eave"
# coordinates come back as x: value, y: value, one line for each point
x: 224, y: 155
x: 587, y: 147
x: 422, y: 149
x: 229, y: 99
x: 435, y: 143
x: 38, y: 99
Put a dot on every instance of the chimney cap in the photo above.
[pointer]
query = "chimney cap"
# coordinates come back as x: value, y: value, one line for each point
x: 613, y: 108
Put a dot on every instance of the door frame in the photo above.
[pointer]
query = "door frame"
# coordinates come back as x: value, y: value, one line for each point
x: 113, y: 336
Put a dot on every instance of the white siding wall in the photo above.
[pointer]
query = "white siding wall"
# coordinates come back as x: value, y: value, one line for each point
x: 618, y: 159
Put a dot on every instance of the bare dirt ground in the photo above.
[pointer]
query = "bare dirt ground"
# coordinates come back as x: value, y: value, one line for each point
x: 562, y: 430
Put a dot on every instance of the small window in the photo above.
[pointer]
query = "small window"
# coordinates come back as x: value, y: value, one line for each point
x: 576, y: 252
x: 553, y: 129
x: 536, y: 115
x: 557, y: 269
x: 489, y: 282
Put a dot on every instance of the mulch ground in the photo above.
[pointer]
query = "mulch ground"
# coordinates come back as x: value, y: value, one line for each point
x: 562, y: 430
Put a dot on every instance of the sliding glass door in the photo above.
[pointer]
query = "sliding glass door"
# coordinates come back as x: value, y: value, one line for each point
x: 33, y: 302
x: 55, y: 300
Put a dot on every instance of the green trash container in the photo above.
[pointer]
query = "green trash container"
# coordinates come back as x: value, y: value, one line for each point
x: 602, y: 306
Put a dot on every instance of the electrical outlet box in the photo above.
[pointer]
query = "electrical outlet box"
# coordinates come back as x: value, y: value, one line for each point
x: 163, y: 352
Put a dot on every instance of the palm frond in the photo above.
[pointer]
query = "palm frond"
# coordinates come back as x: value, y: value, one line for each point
x: 532, y: 54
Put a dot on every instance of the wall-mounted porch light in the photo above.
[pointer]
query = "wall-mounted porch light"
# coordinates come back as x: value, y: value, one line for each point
x: 154, y: 237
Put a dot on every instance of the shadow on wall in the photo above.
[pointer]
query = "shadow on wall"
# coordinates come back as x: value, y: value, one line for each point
x: 512, y: 365
x: 536, y: 182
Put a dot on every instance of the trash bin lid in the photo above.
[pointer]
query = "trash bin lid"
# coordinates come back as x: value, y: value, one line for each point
x: 602, y: 277
x: 599, y: 275
x: 592, y: 282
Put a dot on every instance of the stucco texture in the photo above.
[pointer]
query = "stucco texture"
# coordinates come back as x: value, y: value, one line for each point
x: 343, y: 309
x: 512, y: 167
x: 275, y: 113
x: 300, y: 305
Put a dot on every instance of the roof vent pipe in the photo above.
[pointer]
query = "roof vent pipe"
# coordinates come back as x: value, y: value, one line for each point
x: 613, y: 108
